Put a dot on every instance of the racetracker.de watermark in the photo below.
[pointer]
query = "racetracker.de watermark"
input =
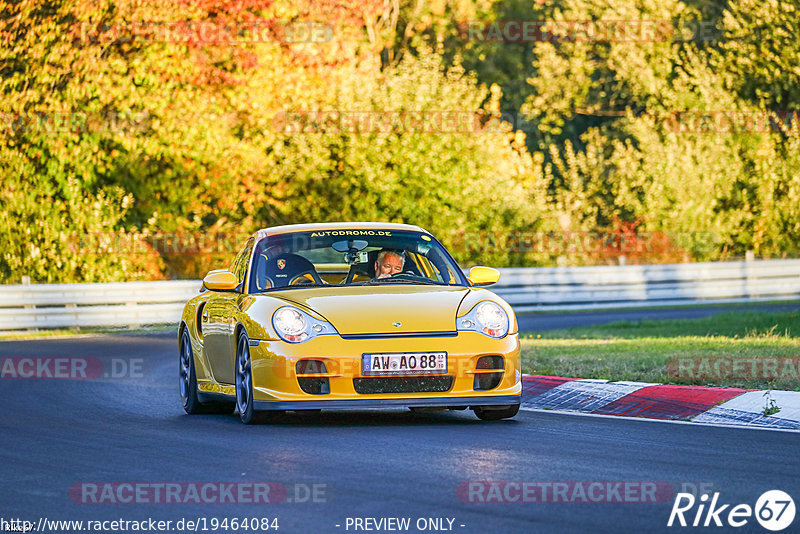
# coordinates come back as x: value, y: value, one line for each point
x: 564, y: 491
x: 385, y: 121
x: 614, y: 242
x: 76, y: 122
x: 732, y: 121
x: 165, y: 243
x: 199, y: 492
x: 72, y: 368
x: 734, y: 368
x: 597, y: 31
x: 206, y: 32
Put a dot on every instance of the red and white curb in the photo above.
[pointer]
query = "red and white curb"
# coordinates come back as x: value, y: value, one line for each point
x: 711, y: 405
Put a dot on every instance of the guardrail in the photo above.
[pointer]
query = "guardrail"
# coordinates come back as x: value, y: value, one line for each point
x: 112, y: 304
x: 527, y: 289
x: 564, y: 288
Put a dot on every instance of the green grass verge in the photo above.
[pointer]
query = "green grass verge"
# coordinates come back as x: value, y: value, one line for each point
x: 738, y: 305
x: 75, y: 332
x: 641, y: 350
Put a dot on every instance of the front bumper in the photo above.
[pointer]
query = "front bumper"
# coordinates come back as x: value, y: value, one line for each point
x: 364, y: 404
x: 276, y: 387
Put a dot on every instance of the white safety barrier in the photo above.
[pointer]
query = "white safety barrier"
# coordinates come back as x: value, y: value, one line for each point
x: 111, y: 304
x: 563, y: 288
x: 527, y: 289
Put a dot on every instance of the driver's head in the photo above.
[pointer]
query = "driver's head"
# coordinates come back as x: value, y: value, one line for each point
x: 388, y: 263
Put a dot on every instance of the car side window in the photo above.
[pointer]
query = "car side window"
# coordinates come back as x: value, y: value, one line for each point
x: 239, y: 266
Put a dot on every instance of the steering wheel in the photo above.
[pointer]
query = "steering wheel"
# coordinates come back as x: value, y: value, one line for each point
x: 307, y: 277
x: 405, y: 275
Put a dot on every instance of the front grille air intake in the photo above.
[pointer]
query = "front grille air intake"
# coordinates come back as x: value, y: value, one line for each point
x: 405, y: 384
x: 484, y: 381
x: 313, y: 385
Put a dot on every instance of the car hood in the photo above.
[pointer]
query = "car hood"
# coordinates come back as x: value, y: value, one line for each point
x: 376, y: 309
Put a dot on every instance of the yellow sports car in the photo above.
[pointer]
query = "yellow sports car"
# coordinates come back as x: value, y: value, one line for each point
x: 348, y: 316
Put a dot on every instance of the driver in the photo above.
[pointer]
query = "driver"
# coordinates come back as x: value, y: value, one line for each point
x: 388, y: 263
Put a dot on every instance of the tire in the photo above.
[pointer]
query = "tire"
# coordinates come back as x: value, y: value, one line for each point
x: 495, y: 413
x: 188, y: 383
x: 187, y: 376
x: 244, y: 381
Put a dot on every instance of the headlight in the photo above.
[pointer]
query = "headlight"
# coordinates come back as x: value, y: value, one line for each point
x: 488, y: 318
x: 296, y: 326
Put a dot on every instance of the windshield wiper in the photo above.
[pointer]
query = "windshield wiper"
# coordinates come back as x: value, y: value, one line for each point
x: 378, y: 281
x: 296, y: 286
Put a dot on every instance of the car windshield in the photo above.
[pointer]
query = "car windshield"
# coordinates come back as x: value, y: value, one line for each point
x: 338, y: 258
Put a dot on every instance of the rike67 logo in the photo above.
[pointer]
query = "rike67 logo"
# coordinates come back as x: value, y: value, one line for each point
x: 774, y: 510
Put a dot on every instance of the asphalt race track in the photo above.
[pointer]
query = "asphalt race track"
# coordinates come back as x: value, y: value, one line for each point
x: 130, y: 428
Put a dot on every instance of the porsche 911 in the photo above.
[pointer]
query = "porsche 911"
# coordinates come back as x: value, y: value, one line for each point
x: 348, y: 316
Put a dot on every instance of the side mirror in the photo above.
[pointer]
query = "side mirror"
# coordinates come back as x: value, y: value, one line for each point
x: 220, y: 280
x: 483, y: 276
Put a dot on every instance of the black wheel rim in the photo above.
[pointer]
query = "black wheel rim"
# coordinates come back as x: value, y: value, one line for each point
x: 185, y: 367
x: 243, y: 376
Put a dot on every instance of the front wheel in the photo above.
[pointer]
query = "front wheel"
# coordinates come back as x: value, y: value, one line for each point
x: 188, y: 383
x: 244, y: 381
x: 188, y: 378
x: 495, y: 413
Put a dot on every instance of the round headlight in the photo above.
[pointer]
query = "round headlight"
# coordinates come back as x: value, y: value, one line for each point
x: 492, y: 318
x: 290, y: 324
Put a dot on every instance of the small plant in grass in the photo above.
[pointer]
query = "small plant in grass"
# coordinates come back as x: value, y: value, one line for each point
x: 770, y: 406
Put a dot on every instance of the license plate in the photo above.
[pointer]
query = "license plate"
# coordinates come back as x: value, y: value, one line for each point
x: 404, y: 363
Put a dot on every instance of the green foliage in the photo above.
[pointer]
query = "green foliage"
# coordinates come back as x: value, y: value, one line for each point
x: 770, y: 406
x: 190, y: 136
x: 452, y: 179
x: 642, y: 165
x: 59, y: 140
x: 54, y: 232
x: 758, y: 57
x: 649, y: 351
